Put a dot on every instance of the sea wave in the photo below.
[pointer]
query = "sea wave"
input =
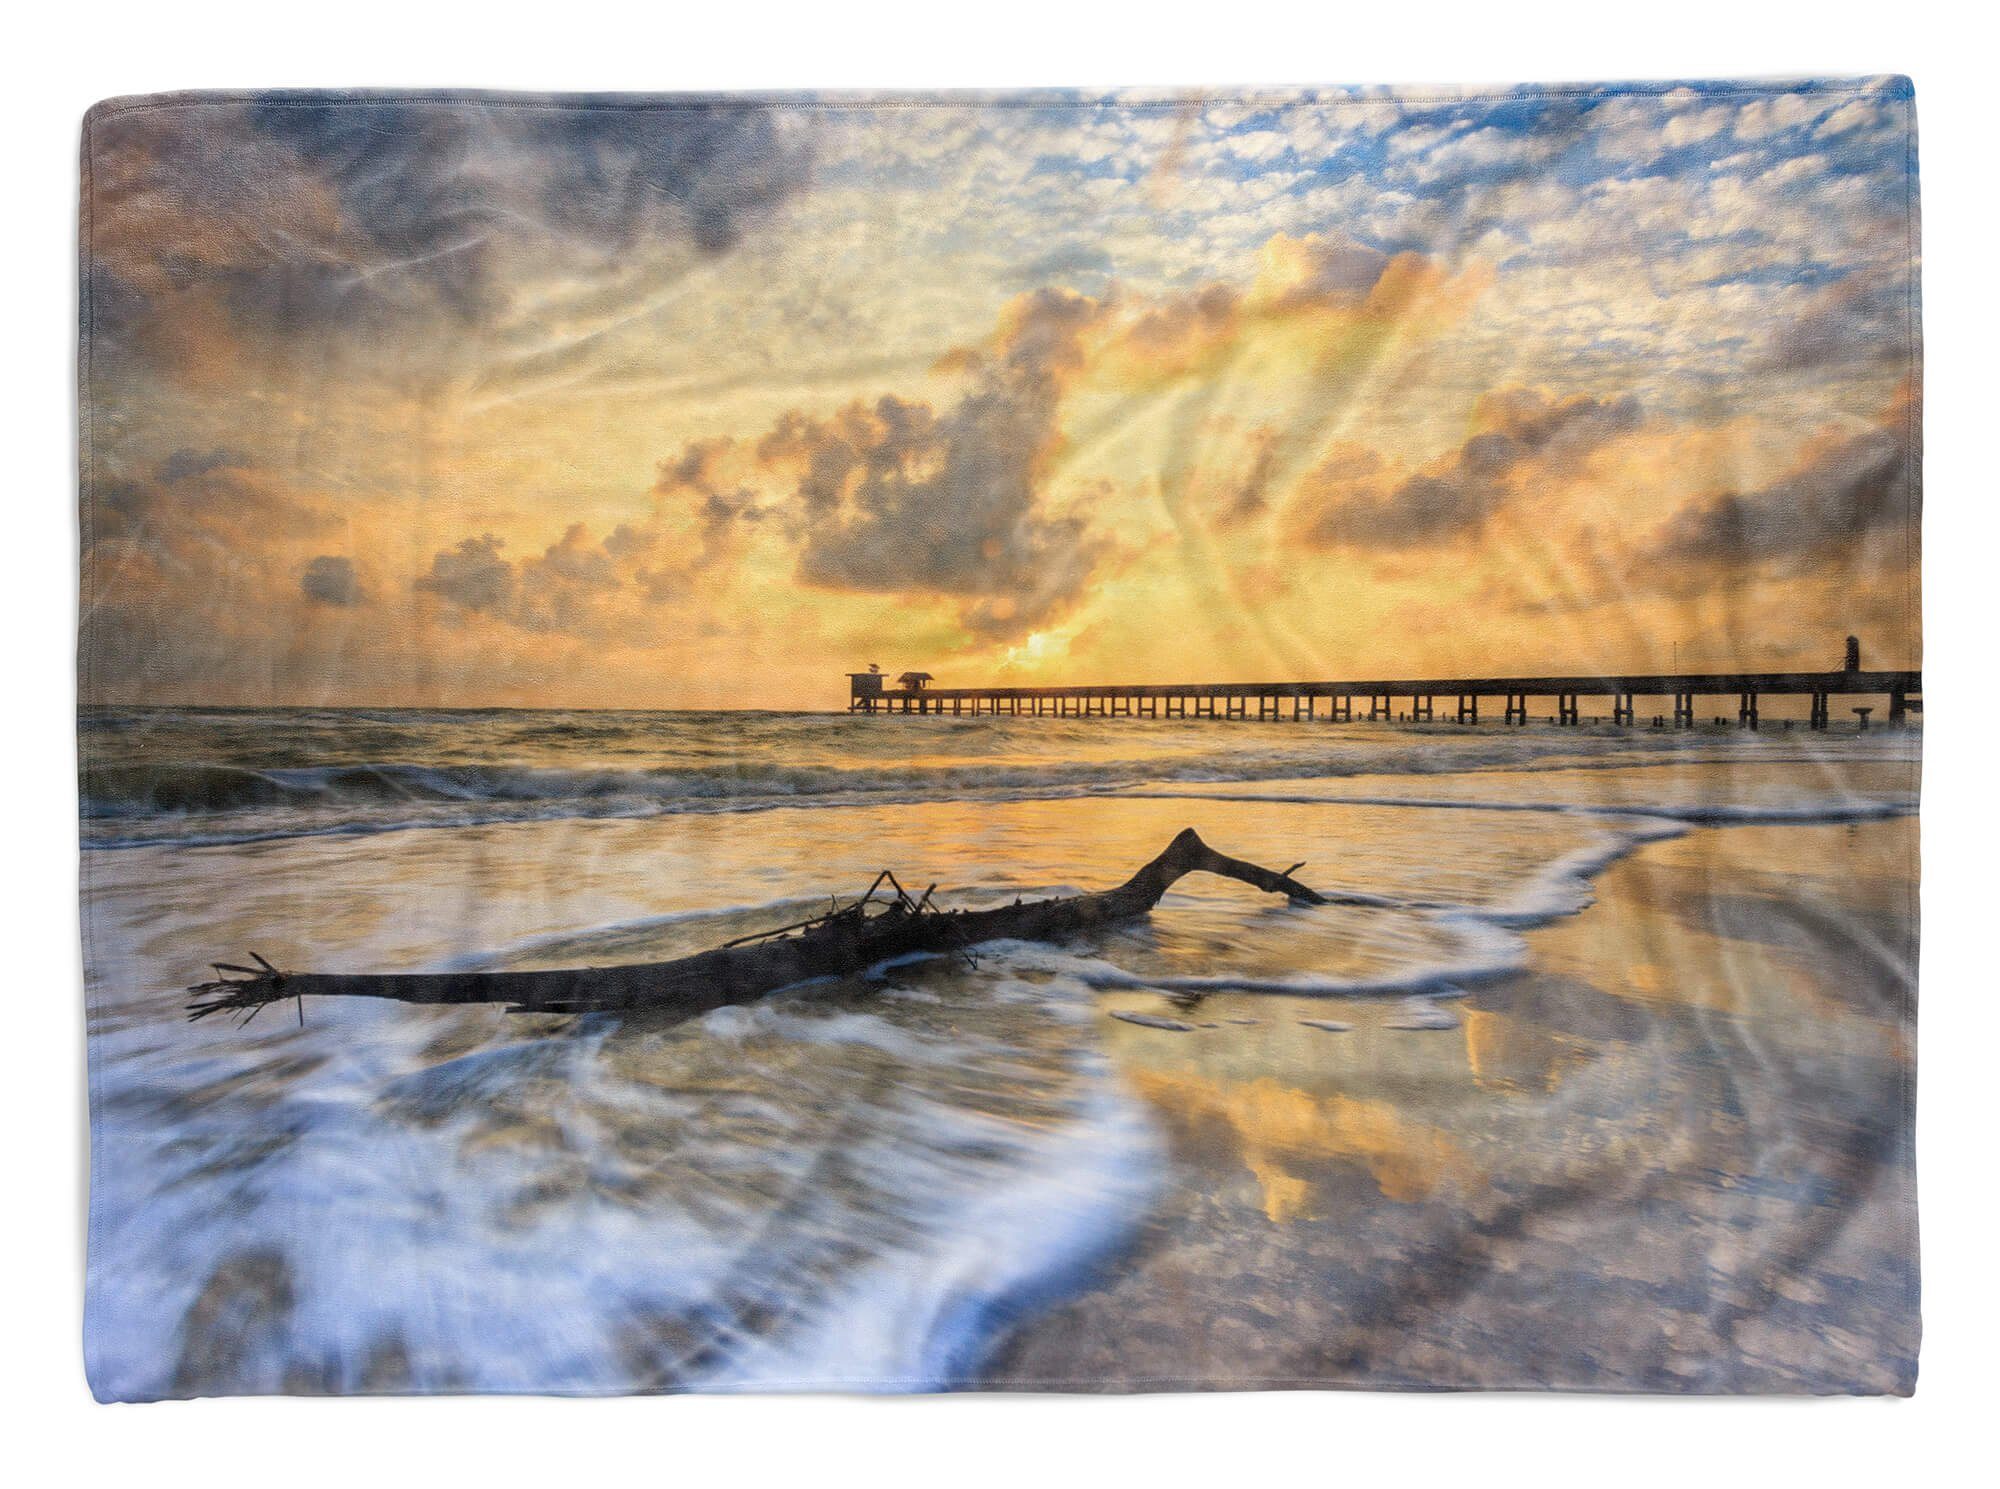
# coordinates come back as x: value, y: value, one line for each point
x: 1816, y: 811
x: 129, y: 802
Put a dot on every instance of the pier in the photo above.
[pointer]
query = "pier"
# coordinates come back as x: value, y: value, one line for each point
x: 1684, y: 697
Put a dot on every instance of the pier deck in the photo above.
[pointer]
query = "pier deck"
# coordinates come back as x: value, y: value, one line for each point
x: 1375, y: 698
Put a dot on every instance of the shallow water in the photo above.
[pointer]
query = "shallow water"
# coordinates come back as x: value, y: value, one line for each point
x: 1619, y: 1002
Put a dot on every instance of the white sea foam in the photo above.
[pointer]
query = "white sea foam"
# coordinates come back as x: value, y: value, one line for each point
x: 992, y: 1252
x: 1476, y: 951
x: 343, y: 1198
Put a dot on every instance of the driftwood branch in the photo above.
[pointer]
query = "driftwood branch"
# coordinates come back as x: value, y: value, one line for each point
x: 846, y: 940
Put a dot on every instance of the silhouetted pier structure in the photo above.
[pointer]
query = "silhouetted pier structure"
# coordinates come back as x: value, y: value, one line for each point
x: 1377, y: 698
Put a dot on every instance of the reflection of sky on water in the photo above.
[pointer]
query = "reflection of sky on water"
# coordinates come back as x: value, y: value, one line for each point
x: 1670, y: 1157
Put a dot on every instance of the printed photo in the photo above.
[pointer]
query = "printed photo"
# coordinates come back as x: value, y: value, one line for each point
x: 1066, y: 741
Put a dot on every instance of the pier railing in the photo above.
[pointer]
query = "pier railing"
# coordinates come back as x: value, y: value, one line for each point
x: 1376, y: 698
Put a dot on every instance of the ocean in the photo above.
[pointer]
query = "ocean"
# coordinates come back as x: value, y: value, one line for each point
x: 1613, y: 1013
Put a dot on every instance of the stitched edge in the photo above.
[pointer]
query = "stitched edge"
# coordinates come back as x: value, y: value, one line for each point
x: 85, y: 672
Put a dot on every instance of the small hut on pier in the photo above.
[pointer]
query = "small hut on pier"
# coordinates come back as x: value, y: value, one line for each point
x: 864, y: 689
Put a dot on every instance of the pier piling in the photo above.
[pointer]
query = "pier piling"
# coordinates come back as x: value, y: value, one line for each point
x: 1415, y: 699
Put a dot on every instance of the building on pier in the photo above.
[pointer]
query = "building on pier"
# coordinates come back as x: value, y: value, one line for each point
x: 864, y: 689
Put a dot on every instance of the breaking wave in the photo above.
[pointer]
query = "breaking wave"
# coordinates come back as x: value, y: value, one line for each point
x: 240, y: 778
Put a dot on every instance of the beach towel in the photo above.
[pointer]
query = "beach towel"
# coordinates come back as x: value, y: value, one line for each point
x: 1085, y: 741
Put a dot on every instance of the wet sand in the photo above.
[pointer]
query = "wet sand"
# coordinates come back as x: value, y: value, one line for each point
x: 1671, y: 1155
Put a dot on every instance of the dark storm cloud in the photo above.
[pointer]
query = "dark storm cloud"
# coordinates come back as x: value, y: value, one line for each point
x: 434, y: 184
x: 894, y: 497
x: 331, y: 579
x: 312, y: 212
x: 1456, y: 499
x: 1846, y: 494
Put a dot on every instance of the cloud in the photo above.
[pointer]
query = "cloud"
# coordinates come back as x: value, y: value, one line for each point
x: 183, y: 465
x: 199, y: 510
x: 577, y: 584
x: 1176, y: 333
x: 1243, y: 494
x: 1491, y: 149
x: 473, y: 576
x: 1762, y: 117
x: 1332, y: 271
x: 953, y: 502
x: 1319, y: 291
x: 1639, y: 128
x: 1063, y: 264
x: 559, y: 591
x: 895, y: 497
x: 1346, y: 502
x: 701, y: 488
x: 701, y: 479
x: 1861, y: 319
x: 1856, y: 114
x: 331, y: 579
x: 323, y: 215
x: 1847, y: 492
x: 422, y: 178
x: 949, y: 501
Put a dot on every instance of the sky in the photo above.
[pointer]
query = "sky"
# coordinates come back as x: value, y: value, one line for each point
x: 595, y: 402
